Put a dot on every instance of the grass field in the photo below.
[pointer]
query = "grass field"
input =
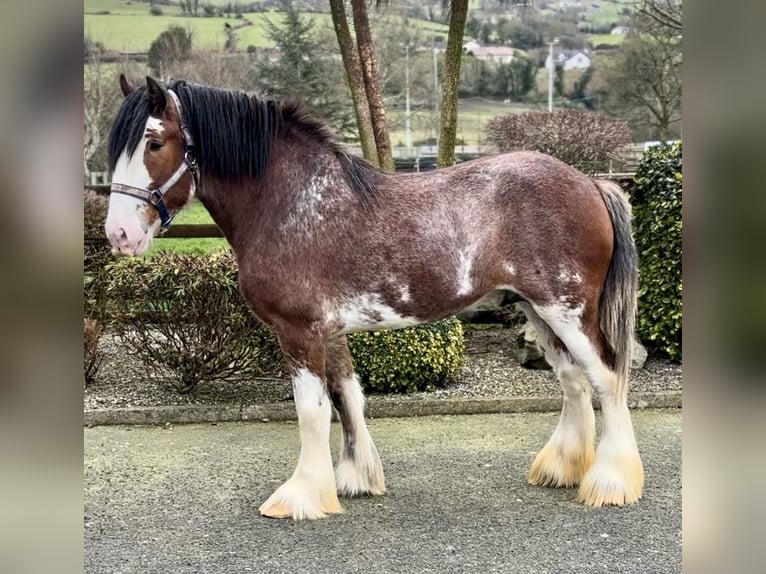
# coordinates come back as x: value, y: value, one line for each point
x: 473, y: 116
x: 129, y: 26
x: 137, y: 31
x: 195, y: 213
x: 607, y: 39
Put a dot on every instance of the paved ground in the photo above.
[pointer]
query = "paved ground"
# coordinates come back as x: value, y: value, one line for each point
x: 184, y: 499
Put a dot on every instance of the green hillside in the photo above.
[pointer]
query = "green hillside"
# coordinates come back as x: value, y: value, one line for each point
x: 130, y: 26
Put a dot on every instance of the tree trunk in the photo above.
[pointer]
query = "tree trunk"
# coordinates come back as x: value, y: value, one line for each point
x: 450, y: 82
x: 355, y: 80
x: 372, y: 87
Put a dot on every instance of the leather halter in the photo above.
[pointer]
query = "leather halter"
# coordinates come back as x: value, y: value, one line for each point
x: 155, y: 197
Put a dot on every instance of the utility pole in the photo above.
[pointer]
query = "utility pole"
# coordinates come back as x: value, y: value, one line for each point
x: 550, y: 74
x: 407, y: 104
x: 436, y: 91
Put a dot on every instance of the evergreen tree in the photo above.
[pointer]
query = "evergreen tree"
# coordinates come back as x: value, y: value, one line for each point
x: 558, y: 81
x: 172, y: 45
x: 305, y: 71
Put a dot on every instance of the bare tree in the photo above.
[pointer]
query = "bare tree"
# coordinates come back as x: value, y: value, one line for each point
x: 453, y: 60
x: 667, y: 13
x: 355, y: 78
x: 645, y: 78
x: 190, y: 7
x: 101, y: 98
x: 371, y: 77
x: 220, y: 69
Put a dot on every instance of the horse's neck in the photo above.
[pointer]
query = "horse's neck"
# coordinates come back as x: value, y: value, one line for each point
x: 229, y: 205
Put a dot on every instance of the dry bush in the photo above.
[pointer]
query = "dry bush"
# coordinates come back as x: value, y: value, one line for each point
x: 92, y: 357
x: 219, y: 69
x: 183, y: 316
x: 96, y: 253
x: 586, y: 140
x: 95, y: 208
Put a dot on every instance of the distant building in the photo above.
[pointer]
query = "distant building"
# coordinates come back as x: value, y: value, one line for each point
x: 570, y: 59
x: 494, y: 54
x: 619, y: 30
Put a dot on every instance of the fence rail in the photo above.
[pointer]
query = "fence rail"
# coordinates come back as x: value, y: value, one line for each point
x: 210, y: 230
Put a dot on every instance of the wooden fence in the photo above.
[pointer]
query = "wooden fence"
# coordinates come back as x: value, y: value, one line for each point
x: 210, y: 230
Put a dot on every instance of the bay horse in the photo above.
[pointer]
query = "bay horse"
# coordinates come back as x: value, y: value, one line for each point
x: 327, y: 245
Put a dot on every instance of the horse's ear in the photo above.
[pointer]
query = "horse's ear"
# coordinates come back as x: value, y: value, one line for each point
x: 157, y: 95
x: 126, y: 87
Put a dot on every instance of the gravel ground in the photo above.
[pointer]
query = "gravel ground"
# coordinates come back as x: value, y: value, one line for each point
x: 490, y: 371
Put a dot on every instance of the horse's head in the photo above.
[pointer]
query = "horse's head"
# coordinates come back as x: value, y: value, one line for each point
x: 154, y: 174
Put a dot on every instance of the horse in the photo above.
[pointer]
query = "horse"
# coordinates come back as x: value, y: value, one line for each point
x: 327, y: 244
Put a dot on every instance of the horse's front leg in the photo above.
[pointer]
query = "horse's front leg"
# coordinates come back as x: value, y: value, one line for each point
x: 311, y: 491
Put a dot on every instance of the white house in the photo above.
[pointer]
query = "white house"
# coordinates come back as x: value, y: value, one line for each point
x: 570, y: 60
x: 494, y: 54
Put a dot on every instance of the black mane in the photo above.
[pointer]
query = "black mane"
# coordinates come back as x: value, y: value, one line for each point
x: 233, y: 132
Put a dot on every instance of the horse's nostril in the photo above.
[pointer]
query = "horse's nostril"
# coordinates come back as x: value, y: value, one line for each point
x: 122, y: 234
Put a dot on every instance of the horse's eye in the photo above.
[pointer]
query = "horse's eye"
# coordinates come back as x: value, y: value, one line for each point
x: 154, y: 145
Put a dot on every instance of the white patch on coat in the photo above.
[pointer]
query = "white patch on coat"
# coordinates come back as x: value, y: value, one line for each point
x: 510, y: 268
x: 566, y: 276
x: 465, y: 267
x: 311, y: 200
x: 155, y: 124
x: 404, y: 294
x: 368, y: 312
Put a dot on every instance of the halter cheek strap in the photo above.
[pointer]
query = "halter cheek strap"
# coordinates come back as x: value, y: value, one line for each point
x: 155, y: 197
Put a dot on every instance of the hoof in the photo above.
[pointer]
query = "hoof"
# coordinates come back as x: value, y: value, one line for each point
x: 552, y: 468
x: 300, y: 501
x: 619, y: 483
x: 352, y: 481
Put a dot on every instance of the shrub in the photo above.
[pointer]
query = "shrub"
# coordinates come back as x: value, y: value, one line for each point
x: 96, y: 253
x: 656, y: 198
x: 156, y: 11
x: 407, y: 360
x: 183, y: 316
x: 92, y: 356
x: 209, y: 10
x: 172, y: 45
x: 586, y: 140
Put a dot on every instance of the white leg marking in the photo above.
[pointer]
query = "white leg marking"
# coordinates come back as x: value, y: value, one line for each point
x: 360, y: 471
x: 617, y: 475
x: 310, y: 492
x: 569, y: 452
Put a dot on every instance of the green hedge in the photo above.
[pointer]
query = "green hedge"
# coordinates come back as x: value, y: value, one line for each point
x: 656, y: 198
x: 407, y: 360
x: 182, y: 316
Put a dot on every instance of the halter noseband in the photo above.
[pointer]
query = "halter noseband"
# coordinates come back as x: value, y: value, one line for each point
x: 155, y: 197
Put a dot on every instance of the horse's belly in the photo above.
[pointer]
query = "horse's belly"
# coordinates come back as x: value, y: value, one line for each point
x: 368, y: 313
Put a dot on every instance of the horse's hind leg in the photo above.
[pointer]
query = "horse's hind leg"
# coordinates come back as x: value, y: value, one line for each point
x: 569, y: 452
x: 359, y: 471
x: 617, y: 475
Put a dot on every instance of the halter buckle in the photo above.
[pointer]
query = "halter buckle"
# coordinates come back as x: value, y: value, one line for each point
x: 155, y: 197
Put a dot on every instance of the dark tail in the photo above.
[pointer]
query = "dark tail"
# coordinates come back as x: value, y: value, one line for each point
x: 617, y: 307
